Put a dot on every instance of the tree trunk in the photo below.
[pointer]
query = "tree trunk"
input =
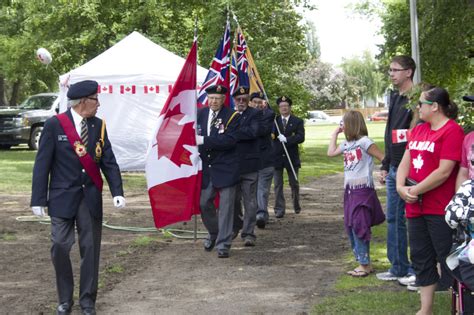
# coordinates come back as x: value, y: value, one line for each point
x: 3, y: 100
x: 15, y: 90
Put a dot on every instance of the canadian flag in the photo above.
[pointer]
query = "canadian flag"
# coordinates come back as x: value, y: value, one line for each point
x: 105, y: 89
x: 127, y: 89
x: 173, y: 167
x: 400, y: 135
x: 151, y: 89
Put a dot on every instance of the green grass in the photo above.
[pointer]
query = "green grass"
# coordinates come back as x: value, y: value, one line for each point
x: 143, y: 241
x: 379, y: 302
x: 8, y: 236
x: 116, y: 268
x: 314, y: 159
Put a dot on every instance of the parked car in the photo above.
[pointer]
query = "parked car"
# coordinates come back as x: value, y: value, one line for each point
x: 379, y: 116
x: 317, y: 117
x: 25, y: 123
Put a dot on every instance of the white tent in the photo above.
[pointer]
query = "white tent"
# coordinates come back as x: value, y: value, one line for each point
x: 134, y: 77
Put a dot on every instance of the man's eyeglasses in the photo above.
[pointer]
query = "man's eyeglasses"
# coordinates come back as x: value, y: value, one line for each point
x: 214, y: 98
x: 425, y: 102
x: 241, y: 99
x: 93, y: 98
x: 390, y: 70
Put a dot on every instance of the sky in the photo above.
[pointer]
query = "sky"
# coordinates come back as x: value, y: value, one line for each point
x: 342, y: 35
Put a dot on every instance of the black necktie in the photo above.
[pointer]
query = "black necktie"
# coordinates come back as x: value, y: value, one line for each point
x: 213, y: 118
x: 283, y: 123
x: 84, y: 132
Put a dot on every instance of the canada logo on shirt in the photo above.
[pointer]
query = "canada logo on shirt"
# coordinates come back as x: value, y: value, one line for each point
x: 352, y: 158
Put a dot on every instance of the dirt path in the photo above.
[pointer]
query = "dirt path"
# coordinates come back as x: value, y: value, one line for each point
x: 295, y: 263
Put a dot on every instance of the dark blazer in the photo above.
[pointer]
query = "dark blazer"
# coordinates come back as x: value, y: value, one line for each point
x: 59, y: 180
x: 220, y: 163
x: 248, y: 144
x: 294, y: 134
x: 267, y: 158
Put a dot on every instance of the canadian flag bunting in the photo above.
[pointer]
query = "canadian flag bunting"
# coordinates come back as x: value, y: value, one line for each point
x: 151, y: 89
x: 400, y: 135
x: 105, y: 89
x: 127, y: 89
x: 173, y: 167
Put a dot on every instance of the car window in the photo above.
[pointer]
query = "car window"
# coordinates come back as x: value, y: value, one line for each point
x: 38, y: 102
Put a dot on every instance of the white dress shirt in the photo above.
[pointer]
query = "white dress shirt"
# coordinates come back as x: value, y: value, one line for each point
x: 77, y: 121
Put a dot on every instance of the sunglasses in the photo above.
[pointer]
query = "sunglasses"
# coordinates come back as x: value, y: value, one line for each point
x: 425, y: 102
x: 93, y: 98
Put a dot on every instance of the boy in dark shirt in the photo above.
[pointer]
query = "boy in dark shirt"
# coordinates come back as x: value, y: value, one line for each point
x: 401, y: 71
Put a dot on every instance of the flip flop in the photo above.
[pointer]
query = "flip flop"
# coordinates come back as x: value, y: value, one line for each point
x: 351, y: 272
x: 356, y: 273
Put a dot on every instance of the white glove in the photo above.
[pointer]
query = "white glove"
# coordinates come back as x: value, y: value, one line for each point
x: 39, y: 211
x: 282, y: 138
x: 199, y: 140
x: 119, y: 202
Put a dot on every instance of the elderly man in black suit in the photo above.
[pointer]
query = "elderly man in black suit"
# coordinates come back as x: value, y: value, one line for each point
x: 73, y: 149
x: 217, y: 142
x: 291, y: 133
x: 266, y: 168
x: 249, y: 156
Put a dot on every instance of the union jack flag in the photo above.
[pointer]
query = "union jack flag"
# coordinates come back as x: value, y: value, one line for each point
x: 219, y: 70
x: 234, y: 76
x: 242, y: 62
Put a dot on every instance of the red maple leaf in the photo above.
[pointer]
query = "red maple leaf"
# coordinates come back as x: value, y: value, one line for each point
x: 171, y: 137
x: 401, y: 136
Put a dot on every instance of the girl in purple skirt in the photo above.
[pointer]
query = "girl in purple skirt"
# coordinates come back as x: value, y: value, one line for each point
x: 362, y: 207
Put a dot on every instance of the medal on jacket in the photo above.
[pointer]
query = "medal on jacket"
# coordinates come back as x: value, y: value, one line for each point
x: 80, y: 149
x: 98, y: 151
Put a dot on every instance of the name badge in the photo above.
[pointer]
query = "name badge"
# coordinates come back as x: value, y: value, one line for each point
x: 62, y: 138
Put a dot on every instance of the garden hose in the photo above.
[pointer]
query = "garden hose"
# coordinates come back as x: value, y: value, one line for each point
x: 177, y: 233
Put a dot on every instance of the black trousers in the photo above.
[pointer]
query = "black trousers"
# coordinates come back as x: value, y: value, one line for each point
x: 280, y: 205
x: 430, y: 240
x: 89, y: 230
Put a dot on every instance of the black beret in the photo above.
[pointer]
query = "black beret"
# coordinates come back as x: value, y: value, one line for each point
x: 284, y: 99
x: 468, y: 98
x: 257, y: 95
x: 82, y: 89
x: 216, y: 89
x: 241, y: 90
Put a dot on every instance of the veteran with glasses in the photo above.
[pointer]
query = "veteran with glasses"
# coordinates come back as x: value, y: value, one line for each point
x: 73, y: 150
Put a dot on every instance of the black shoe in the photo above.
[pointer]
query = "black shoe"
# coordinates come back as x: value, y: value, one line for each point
x: 222, y: 253
x: 64, y: 309
x: 88, y: 311
x: 297, y: 210
x: 261, y: 221
x: 209, y: 244
x: 279, y: 215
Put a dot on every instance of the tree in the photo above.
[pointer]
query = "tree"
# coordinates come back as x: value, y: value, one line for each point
x: 327, y: 86
x: 362, y: 72
x: 312, y: 41
x: 446, y: 40
x: 75, y: 32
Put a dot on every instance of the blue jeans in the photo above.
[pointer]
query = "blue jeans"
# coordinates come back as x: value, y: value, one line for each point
x: 397, y: 244
x: 360, y: 248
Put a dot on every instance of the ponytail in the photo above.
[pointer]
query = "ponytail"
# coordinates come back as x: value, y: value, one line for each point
x: 451, y: 111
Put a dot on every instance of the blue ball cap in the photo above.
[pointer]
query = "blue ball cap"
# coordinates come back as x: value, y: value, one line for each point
x: 82, y: 89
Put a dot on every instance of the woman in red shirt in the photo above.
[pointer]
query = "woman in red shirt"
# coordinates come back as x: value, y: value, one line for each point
x: 426, y: 180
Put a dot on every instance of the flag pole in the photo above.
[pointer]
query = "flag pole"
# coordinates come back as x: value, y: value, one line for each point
x: 195, y: 118
x: 274, y: 121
